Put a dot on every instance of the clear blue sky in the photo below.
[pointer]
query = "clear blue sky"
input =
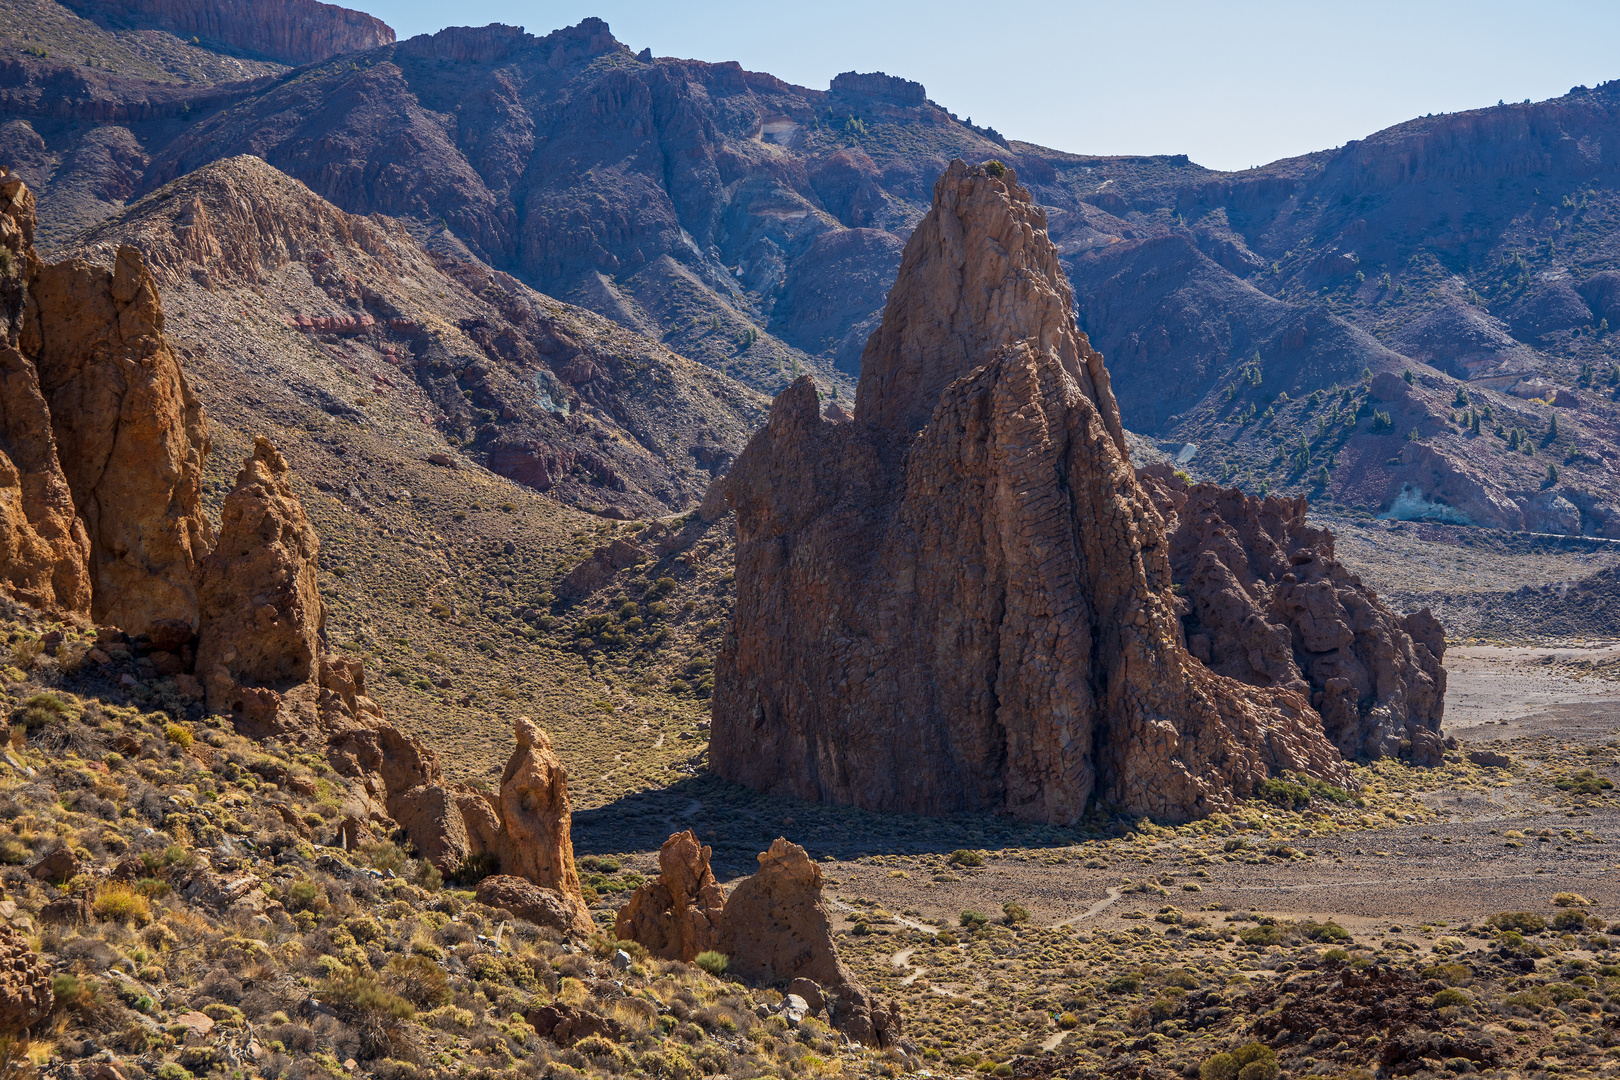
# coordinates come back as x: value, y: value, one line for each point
x: 1229, y: 84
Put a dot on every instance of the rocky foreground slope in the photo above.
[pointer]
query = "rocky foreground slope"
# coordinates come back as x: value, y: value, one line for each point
x: 963, y: 599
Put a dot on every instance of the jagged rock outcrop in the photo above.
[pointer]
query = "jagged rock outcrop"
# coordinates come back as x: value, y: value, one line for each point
x: 1269, y: 605
x: 535, y: 903
x: 25, y: 984
x: 104, y: 438
x: 678, y: 914
x: 535, y: 841
x: 773, y: 928
x: 962, y: 599
x: 44, y: 551
x: 289, y: 31
x: 262, y: 610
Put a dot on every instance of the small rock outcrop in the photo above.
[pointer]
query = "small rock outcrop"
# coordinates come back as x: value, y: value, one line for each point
x: 25, y: 984
x: 773, y: 928
x: 534, y: 809
x: 961, y: 600
x: 677, y: 915
x: 1267, y: 604
x: 539, y: 905
x: 263, y: 616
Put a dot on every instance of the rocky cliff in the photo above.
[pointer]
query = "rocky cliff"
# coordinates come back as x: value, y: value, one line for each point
x: 87, y: 355
x: 288, y: 31
x: 974, y: 611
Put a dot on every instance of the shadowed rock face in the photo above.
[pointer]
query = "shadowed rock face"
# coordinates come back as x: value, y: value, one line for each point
x: 962, y: 599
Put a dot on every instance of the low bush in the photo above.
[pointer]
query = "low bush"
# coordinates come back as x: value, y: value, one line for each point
x: 715, y: 963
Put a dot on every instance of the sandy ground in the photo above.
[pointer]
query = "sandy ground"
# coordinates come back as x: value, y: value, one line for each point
x: 1500, y: 684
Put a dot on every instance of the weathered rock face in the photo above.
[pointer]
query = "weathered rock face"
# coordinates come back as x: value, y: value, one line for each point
x: 961, y: 600
x: 44, y: 551
x: 776, y: 927
x: 129, y: 433
x: 677, y: 915
x: 526, y: 900
x: 25, y: 984
x: 978, y: 273
x: 535, y: 841
x: 291, y: 31
x: 261, y: 601
x: 1269, y: 605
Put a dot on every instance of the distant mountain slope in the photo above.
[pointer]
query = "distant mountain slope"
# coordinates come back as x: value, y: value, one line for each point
x: 285, y: 31
x: 366, y: 327
x: 755, y: 226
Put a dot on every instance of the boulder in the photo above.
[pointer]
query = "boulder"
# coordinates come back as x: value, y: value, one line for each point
x: 262, y: 614
x: 677, y: 915
x: 56, y: 866
x: 535, y: 841
x: 565, y: 1025
x: 961, y: 600
x: 25, y: 984
x: 541, y: 906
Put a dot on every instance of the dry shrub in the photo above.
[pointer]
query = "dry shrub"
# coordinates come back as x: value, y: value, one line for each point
x: 118, y: 902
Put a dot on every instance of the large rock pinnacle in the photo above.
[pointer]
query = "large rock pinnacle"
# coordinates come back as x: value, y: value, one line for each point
x: 962, y: 600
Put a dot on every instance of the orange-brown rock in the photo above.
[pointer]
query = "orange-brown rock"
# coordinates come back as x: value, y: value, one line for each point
x: 677, y: 915
x: 962, y: 599
x: 541, y: 906
x: 130, y: 435
x: 1268, y: 604
x: 44, y: 550
x: 262, y: 614
x: 25, y: 984
x: 535, y: 840
x: 775, y: 929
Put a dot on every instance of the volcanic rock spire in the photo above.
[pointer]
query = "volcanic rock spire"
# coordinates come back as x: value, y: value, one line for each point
x: 962, y: 599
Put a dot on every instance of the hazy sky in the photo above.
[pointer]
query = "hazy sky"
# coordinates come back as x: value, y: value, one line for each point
x: 1229, y: 84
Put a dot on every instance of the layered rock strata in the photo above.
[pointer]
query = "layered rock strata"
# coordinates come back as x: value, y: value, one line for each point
x: 290, y: 31
x: 773, y: 929
x: 962, y: 599
x: 1266, y: 603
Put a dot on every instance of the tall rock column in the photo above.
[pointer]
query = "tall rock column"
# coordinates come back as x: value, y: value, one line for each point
x: 262, y: 609
x: 130, y: 434
x: 962, y: 599
x: 44, y: 549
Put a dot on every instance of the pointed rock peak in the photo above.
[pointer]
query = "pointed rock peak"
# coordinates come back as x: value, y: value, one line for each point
x: 979, y: 273
x: 265, y: 451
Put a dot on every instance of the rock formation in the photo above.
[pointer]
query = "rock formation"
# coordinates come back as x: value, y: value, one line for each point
x: 1269, y: 605
x: 44, y: 551
x: 104, y: 438
x: 677, y: 915
x: 25, y: 984
x: 773, y: 929
x: 264, y: 615
x: 962, y: 599
x: 539, y: 905
x: 290, y: 31
x: 535, y: 841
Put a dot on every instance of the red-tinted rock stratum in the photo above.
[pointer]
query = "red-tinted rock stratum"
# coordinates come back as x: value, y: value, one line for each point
x: 962, y: 600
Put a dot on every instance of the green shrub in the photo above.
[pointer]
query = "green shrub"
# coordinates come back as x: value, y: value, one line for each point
x: 964, y: 857
x: 1124, y: 984
x: 365, y: 994
x: 178, y: 734
x: 1526, y: 922
x: 973, y: 919
x: 1222, y: 1066
x: 1450, y: 996
x: 1265, y: 934
x: 995, y: 168
x: 1014, y: 913
x: 1584, y: 782
x: 42, y: 709
x: 715, y: 963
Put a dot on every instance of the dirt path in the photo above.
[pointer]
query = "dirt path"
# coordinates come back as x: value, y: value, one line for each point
x: 1114, y: 893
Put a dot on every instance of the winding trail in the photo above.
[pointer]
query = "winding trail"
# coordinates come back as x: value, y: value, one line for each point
x: 1114, y: 893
